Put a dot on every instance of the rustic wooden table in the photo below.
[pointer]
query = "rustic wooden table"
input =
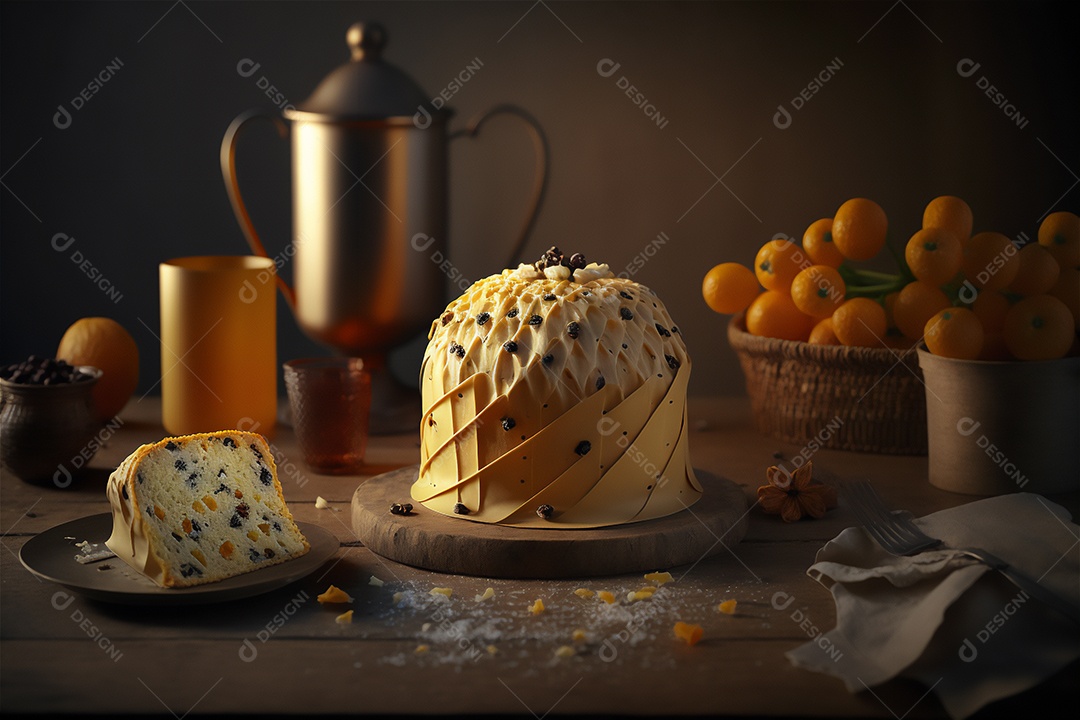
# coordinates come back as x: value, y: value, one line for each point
x: 283, y: 652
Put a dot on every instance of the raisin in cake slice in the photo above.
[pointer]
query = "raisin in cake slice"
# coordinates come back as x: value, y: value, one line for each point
x: 200, y: 508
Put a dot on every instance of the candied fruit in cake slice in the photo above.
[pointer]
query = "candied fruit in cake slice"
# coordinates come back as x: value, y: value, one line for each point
x: 175, y: 521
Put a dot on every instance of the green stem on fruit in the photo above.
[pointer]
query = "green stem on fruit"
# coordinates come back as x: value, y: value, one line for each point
x: 876, y: 292
x: 898, y: 257
x: 874, y: 275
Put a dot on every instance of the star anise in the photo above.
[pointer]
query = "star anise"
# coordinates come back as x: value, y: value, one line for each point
x: 793, y: 495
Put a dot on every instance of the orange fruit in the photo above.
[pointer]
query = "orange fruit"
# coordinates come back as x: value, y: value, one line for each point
x: 729, y: 288
x: 1038, y: 271
x: 777, y: 263
x: 890, y: 302
x: 1059, y: 233
x: 773, y: 314
x: 934, y: 254
x: 952, y: 214
x: 1039, y: 328
x: 818, y: 291
x: 918, y: 302
x: 823, y: 333
x: 818, y: 243
x: 860, y: 322
x: 991, y: 307
x: 954, y: 333
x: 994, y: 347
x: 990, y: 261
x: 106, y: 345
x: 1067, y: 290
x: 859, y: 228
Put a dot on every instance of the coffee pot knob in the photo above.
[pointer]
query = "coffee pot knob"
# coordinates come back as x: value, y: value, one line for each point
x: 366, y: 40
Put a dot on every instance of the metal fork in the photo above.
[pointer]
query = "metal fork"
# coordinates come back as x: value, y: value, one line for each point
x: 897, y: 534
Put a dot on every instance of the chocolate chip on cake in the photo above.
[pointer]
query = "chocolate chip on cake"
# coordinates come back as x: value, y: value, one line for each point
x: 583, y: 448
x: 573, y: 330
x: 510, y: 346
x: 513, y: 313
x: 600, y: 382
x: 545, y: 511
x: 447, y: 318
x: 401, y: 509
x: 460, y: 509
x: 625, y: 314
x: 547, y: 359
x: 577, y: 261
x: 549, y: 297
x: 662, y: 330
x: 536, y: 320
x: 672, y: 362
x: 482, y: 318
x: 508, y: 423
x: 626, y: 295
x: 456, y: 349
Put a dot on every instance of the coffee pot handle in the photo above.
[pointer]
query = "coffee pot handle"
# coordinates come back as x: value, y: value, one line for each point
x: 543, y: 158
x: 228, y: 171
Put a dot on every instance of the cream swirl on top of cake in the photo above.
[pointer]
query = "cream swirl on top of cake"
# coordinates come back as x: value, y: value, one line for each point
x: 555, y: 385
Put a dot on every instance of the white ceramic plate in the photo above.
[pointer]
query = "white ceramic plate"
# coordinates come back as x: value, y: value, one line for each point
x: 52, y: 557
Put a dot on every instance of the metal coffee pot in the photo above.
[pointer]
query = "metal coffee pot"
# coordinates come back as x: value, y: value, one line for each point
x: 369, y: 189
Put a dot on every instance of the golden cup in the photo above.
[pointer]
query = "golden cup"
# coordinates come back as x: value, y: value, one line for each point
x: 218, y: 344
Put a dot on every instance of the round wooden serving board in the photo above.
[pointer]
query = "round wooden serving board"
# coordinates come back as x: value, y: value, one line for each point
x: 432, y: 541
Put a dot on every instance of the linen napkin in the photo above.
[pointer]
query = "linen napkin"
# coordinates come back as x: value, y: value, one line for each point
x: 947, y: 620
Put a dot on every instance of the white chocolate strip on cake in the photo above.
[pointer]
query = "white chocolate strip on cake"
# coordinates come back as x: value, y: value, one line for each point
x: 550, y: 402
x: 200, y: 508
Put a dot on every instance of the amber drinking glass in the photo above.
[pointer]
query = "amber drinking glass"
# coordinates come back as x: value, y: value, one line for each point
x: 330, y: 400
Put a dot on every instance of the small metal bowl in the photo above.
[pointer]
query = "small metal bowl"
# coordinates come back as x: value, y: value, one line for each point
x: 47, y: 431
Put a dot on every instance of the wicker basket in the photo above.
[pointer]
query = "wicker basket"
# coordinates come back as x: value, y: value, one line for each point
x: 827, y: 396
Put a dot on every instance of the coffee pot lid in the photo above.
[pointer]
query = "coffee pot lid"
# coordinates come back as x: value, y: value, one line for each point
x: 365, y: 88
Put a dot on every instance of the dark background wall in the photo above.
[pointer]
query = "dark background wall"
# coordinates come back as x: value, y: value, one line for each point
x: 135, y: 179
